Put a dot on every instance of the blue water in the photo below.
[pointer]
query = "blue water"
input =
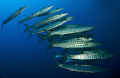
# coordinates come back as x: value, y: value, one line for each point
x: 23, y: 58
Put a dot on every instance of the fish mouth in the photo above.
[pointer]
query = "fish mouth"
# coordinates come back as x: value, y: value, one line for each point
x: 69, y: 18
x: 25, y: 6
x: 64, y: 14
x: 50, y: 6
x: 61, y: 8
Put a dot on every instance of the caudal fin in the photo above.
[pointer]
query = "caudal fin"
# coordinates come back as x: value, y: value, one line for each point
x: 26, y: 29
x: 54, y: 55
x: 47, y: 33
x: 42, y: 38
x: 58, y: 64
x: 2, y: 27
x: 30, y: 33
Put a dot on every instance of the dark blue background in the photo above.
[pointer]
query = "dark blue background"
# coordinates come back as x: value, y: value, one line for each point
x: 23, y: 58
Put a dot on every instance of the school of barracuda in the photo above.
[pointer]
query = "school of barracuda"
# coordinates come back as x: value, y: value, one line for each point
x: 78, y: 46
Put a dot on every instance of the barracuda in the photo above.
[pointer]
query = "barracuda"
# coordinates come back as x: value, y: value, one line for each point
x: 80, y: 68
x: 13, y: 15
x: 81, y: 44
x: 91, y: 56
x: 77, y: 39
x: 34, y: 14
x: 48, y: 19
x: 72, y: 30
x: 51, y: 12
x: 87, y: 56
x: 69, y: 30
x: 61, y: 19
x: 48, y: 27
x: 45, y: 20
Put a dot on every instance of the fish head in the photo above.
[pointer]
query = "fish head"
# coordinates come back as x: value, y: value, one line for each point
x: 69, y: 18
x: 25, y: 6
x: 91, y: 44
x: 85, y: 38
x: 47, y: 7
x: 60, y: 15
x: 58, y: 9
x: 90, y: 39
x: 22, y: 8
x: 91, y: 27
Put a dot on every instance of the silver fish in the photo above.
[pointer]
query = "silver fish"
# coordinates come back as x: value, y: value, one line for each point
x: 74, y: 44
x: 77, y: 39
x: 81, y: 68
x: 45, y: 20
x: 34, y: 14
x: 69, y: 30
x: 48, y: 27
x: 13, y: 15
x: 48, y: 19
x: 50, y: 12
x: 88, y: 56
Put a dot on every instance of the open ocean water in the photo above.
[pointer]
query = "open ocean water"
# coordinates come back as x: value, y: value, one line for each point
x: 24, y: 58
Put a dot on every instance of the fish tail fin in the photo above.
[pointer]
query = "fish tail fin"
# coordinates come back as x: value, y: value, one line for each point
x: 26, y: 29
x: 44, y: 37
x: 2, y: 27
x: 54, y: 55
x: 58, y: 64
x: 47, y: 32
x: 30, y: 33
x: 41, y: 36
x: 50, y: 45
